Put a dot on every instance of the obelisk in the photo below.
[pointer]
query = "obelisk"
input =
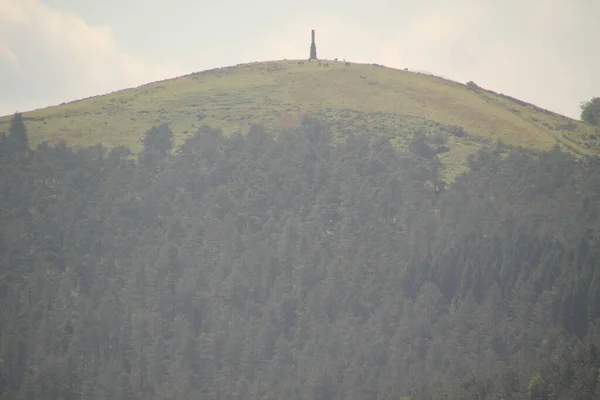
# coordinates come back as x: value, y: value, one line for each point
x: 313, y: 46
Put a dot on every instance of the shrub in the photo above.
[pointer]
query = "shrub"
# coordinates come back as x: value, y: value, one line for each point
x: 472, y: 85
x: 590, y: 111
x: 457, y: 131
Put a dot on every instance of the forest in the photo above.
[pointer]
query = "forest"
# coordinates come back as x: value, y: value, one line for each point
x: 296, y: 265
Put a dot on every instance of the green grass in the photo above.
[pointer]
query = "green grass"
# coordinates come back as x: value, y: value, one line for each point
x: 362, y: 96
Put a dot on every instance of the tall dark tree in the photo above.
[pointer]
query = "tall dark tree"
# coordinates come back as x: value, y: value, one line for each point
x: 18, y: 141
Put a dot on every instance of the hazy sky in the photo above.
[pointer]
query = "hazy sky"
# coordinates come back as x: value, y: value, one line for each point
x: 541, y: 51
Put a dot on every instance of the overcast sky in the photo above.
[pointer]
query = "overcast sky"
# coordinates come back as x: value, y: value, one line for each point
x: 542, y: 51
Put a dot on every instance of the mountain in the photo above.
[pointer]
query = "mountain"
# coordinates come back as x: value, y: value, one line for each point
x: 349, y: 96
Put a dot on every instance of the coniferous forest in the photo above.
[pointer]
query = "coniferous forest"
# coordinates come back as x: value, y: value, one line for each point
x: 292, y: 265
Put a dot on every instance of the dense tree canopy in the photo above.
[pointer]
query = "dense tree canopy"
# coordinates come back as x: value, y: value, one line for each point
x: 296, y: 266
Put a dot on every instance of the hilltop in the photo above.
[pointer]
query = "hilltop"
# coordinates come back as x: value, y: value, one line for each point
x: 368, y: 97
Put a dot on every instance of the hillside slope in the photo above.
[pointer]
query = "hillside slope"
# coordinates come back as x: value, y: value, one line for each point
x: 276, y: 94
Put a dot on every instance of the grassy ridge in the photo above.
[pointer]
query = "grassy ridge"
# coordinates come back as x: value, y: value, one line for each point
x: 278, y: 93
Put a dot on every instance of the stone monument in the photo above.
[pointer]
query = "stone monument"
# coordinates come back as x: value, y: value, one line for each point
x: 313, y: 46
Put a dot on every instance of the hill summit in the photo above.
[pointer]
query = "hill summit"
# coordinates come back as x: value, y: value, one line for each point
x: 349, y: 96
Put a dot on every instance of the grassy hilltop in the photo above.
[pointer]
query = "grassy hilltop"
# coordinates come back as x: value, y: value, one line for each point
x: 369, y: 97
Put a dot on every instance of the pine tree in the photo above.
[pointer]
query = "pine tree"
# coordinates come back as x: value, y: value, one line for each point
x: 17, y: 136
x: 16, y: 142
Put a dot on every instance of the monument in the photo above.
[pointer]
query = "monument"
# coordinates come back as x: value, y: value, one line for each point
x: 313, y: 46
